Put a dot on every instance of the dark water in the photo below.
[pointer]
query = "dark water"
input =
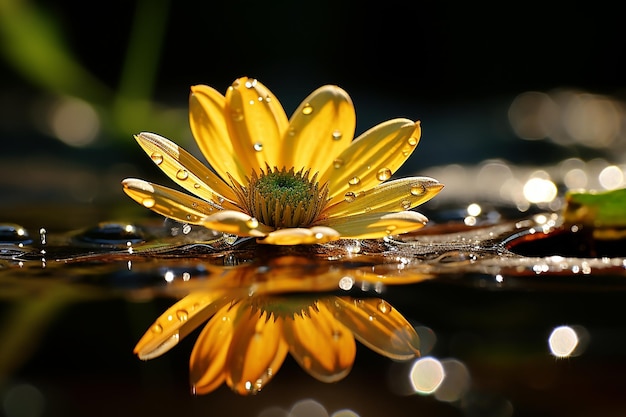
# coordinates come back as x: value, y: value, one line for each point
x: 484, y: 301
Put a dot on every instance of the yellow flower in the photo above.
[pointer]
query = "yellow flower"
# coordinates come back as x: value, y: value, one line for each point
x: 286, y: 181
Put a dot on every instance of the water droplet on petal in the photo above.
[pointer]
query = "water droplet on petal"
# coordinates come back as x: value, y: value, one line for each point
x: 196, y: 186
x: 349, y: 196
x: 182, y: 174
x: 418, y: 189
x: 148, y: 202
x: 157, y: 328
x: 237, y: 115
x: 307, y: 109
x: 383, y: 174
x: 182, y: 315
x: 252, y: 223
x: 251, y: 83
x: 354, y: 181
x: 406, y: 204
x: 384, y: 307
x: 338, y: 163
x: 412, y: 141
x: 291, y: 132
x: 258, y: 146
x: 157, y: 158
x: 337, y: 135
x: 390, y: 229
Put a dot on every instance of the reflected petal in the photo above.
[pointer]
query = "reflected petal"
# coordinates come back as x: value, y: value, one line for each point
x: 322, y: 346
x: 257, y: 351
x: 178, y: 321
x: 319, y: 130
x: 376, y: 324
x: 208, y: 357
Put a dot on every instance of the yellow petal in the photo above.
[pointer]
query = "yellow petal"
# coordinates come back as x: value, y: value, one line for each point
x: 376, y: 225
x: 167, y: 202
x: 208, y: 357
x: 396, y: 195
x: 256, y: 123
x: 319, y: 130
x: 379, y: 326
x: 184, y: 169
x: 322, y: 346
x: 178, y: 321
x: 372, y: 158
x: 208, y: 125
x: 257, y: 352
x: 235, y: 222
x: 301, y: 236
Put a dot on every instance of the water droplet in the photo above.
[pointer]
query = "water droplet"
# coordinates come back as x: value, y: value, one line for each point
x: 354, y: 181
x: 252, y: 223
x: 338, y: 163
x: 337, y: 135
x: 412, y: 141
x: 384, y: 307
x: 236, y: 115
x: 251, y: 83
x: 148, y: 202
x: 336, y: 334
x: 196, y: 186
x: 268, y: 98
x: 383, y: 174
x: 157, y: 158
x: 258, y: 146
x: 406, y: 204
x: 157, y: 328
x: 367, y: 209
x: 390, y: 229
x: 182, y: 174
x: 349, y: 196
x: 291, y: 132
x: 182, y: 315
x: 418, y: 189
x: 307, y: 109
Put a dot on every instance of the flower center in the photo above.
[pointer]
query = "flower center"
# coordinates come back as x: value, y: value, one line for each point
x: 285, y: 307
x: 281, y: 198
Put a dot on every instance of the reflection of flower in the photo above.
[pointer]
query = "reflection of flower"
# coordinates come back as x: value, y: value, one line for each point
x: 287, y: 181
x: 247, y: 339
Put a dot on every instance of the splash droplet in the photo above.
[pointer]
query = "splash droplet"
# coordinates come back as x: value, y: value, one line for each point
x: 182, y: 174
x: 354, y: 181
x: 148, y: 202
x: 258, y: 146
x: 157, y: 158
x: 307, y: 109
x: 383, y: 174
x: 337, y: 135
x: 418, y: 189
x: 349, y: 196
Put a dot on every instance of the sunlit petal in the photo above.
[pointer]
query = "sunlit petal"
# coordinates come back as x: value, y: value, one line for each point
x: 396, y: 195
x: 184, y: 169
x: 206, y: 118
x: 257, y: 352
x: 235, y: 222
x: 256, y: 122
x: 322, y: 346
x: 178, y: 321
x: 376, y: 324
x: 376, y: 225
x: 372, y: 158
x: 319, y: 130
x: 208, y: 357
x: 167, y: 202
x: 301, y: 236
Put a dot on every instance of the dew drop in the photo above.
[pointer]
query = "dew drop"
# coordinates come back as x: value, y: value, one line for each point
x: 307, y: 109
x: 182, y: 174
x: 182, y: 315
x: 196, y: 186
x: 406, y: 204
x: 148, y: 202
x: 384, y: 307
x: 383, y: 174
x: 412, y: 141
x: 268, y: 99
x: 349, y: 196
x: 157, y: 328
x: 418, y: 189
x: 337, y: 135
x: 252, y: 223
x: 390, y: 229
x: 258, y: 146
x: 157, y: 158
x: 237, y: 115
x: 251, y: 83
x: 338, y: 163
x: 354, y: 181
x: 291, y: 132
x: 336, y: 334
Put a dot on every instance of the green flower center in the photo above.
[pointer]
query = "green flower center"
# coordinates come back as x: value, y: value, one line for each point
x: 285, y: 307
x: 282, y: 199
